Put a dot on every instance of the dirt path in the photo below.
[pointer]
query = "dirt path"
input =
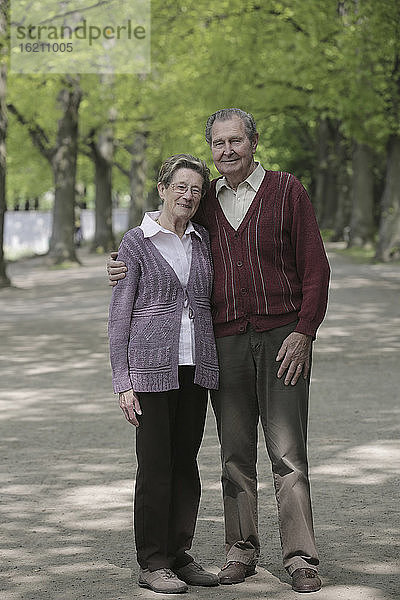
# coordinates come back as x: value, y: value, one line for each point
x: 68, y: 453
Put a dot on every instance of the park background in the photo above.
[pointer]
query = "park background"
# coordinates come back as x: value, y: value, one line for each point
x: 322, y: 79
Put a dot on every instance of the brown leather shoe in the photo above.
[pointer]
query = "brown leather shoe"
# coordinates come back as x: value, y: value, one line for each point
x: 306, y: 580
x: 235, y: 572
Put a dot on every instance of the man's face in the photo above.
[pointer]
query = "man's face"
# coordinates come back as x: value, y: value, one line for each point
x: 231, y: 149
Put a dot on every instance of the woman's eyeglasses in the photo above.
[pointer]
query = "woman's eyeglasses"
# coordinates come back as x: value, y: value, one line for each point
x: 182, y: 188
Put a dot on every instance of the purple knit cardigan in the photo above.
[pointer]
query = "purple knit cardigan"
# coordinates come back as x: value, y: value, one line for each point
x: 145, y: 317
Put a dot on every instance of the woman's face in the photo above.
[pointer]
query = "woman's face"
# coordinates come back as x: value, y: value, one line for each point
x: 182, y: 197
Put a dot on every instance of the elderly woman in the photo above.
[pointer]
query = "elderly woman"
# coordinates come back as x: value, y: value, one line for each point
x: 163, y: 360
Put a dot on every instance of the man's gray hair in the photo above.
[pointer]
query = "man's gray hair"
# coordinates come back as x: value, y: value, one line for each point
x: 227, y: 113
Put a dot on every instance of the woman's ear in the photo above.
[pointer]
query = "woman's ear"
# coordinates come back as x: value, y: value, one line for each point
x: 161, y: 189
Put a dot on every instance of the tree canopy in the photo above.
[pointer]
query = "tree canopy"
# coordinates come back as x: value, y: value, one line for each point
x: 321, y: 78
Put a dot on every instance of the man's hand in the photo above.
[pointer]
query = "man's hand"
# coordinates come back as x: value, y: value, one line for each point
x: 116, y: 269
x: 129, y: 403
x: 295, y: 352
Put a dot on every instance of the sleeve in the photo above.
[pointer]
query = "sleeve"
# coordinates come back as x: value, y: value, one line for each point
x: 311, y: 263
x: 120, y: 314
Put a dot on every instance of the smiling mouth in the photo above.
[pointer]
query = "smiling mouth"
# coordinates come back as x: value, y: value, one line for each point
x: 184, y: 205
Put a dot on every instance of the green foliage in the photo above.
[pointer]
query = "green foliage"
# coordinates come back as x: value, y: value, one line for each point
x: 369, y: 91
x: 358, y: 254
x: 290, y: 63
x: 29, y: 174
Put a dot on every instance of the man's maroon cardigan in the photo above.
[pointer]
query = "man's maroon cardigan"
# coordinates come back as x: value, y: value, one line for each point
x: 273, y: 269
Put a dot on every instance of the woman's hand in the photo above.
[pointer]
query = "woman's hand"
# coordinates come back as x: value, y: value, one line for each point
x: 129, y: 403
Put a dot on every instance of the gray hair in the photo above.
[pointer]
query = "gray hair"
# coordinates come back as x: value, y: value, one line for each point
x: 227, y: 113
x: 184, y: 161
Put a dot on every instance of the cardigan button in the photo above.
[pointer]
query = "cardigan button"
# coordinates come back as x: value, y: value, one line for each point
x: 242, y: 328
x: 239, y: 263
x: 244, y: 291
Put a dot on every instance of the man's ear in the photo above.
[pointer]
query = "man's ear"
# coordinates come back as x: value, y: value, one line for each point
x: 254, y: 143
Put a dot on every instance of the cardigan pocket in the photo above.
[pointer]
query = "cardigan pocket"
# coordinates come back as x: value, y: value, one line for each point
x: 208, y: 355
x: 145, y: 359
x: 203, y: 302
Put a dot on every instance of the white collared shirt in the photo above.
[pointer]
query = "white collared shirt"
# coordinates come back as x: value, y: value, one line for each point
x: 236, y: 203
x: 178, y: 253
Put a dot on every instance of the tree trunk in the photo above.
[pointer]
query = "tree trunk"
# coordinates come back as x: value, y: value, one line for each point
x: 362, y: 218
x: 63, y: 161
x: 326, y: 178
x: 137, y: 178
x: 389, y: 229
x: 343, y: 209
x: 4, y: 280
x: 102, y: 153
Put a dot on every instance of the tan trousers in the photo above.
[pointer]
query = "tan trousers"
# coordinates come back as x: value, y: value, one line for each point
x: 250, y: 390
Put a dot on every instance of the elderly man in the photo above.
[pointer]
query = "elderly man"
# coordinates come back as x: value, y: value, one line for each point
x: 270, y: 295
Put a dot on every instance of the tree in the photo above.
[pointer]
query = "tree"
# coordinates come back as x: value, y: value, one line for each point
x: 102, y: 151
x: 62, y: 157
x: 389, y: 230
x: 99, y: 113
x: 63, y: 160
x: 368, y: 98
x: 362, y: 226
x: 319, y: 77
x: 326, y: 197
x: 137, y: 178
x: 4, y: 280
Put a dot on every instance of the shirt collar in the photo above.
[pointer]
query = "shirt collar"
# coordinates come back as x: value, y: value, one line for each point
x: 150, y: 227
x: 254, y: 180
